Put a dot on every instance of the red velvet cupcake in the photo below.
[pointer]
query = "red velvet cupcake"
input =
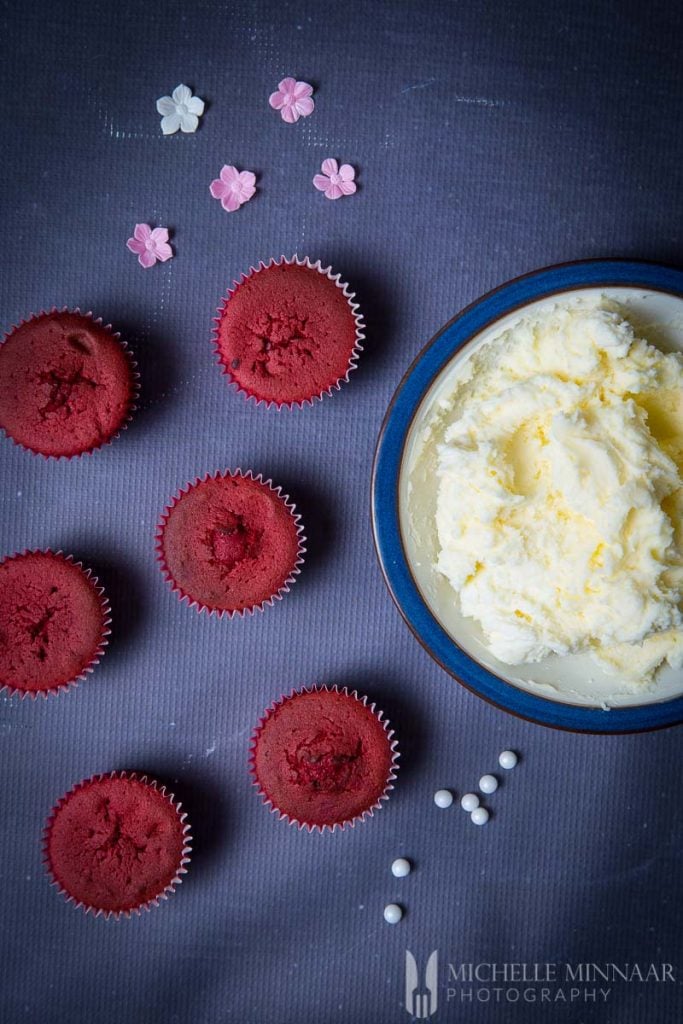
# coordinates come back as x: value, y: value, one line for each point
x: 116, y: 844
x: 323, y: 758
x: 288, y: 332
x: 67, y: 384
x: 54, y: 622
x: 230, y: 543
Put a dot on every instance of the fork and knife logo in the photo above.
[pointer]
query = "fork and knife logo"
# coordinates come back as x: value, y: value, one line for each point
x: 421, y: 1002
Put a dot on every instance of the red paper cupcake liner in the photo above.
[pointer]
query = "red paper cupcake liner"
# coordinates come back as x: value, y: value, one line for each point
x: 155, y: 900
x: 14, y: 691
x: 355, y: 353
x: 350, y: 822
x: 226, y: 612
x: 134, y: 393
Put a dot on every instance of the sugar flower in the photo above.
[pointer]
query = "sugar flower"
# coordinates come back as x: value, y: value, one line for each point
x: 335, y: 181
x: 292, y: 99
x: 150, y: 245
x: 180, y: 110
x: 233, y: 187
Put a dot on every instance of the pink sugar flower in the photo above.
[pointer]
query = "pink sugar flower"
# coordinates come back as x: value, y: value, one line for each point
x: 150, y: 245
x: 335, y: 181
x: 233, y: 187
x: 292, y: 99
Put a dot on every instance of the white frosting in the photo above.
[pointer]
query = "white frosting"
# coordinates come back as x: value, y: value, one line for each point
x: 559, y: 505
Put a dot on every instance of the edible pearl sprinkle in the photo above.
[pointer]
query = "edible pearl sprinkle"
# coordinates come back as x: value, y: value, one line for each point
x: 469, y: 802
x: 507, y: 759
x: 480, y: 816
x: 392, y: 913
x: 400, y: 867
x: 488, y: 784
x: 443, y: 798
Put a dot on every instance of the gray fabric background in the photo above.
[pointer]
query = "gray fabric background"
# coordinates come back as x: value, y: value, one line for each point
x: 491, y: 138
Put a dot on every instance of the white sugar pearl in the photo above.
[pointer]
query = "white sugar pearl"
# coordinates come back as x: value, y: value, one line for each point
x: 507, y: 759
x: 479, y: 816
x: 469, y: 802
x: 488, y: 783
x: 443, y: 798
x: 400, y: 867
x: 392, y: 913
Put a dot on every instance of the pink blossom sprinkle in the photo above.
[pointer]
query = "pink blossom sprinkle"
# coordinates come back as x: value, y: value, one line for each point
x: 233, y: 187
x: 335, y: 181
x: 150, y: 245
x: 292, y: 99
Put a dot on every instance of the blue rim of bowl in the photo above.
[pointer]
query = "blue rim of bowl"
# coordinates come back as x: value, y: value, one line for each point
x: 481, y: 314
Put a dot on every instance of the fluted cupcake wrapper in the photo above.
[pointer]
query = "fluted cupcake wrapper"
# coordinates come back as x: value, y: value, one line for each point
x: 153, y: 901
x: 14, y: 691
x: 134, y: 393
x: 350, y: 822
x: 226, y: 612
x: 353, y: 306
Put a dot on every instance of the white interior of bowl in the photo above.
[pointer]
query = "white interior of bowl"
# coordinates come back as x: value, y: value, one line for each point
x: 575, y: 679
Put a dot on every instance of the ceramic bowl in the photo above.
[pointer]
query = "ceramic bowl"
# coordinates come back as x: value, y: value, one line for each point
x: 565, y: 692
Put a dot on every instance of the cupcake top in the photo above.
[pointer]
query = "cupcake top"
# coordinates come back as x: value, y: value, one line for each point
x: 288, y: 333
x: 323, y: 758
x: 66, y: 384
x: 53, y: 622
x: 116, y: 843
x: 230, y: 543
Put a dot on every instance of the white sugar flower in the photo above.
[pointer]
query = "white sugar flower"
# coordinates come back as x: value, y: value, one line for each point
x: 180, y: 110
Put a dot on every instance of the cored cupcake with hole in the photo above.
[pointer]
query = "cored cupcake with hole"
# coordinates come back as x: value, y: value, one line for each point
x: 117, y: 844
x: 54, y: 623
x: 323, y: 758
x: 288, y: 332
x: 230, y: 544
x: 68, y: 384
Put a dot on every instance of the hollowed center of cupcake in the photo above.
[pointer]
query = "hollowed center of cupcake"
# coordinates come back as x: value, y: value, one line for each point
x: 60, y: 385
x: 233, y: 540
x: 32, y: 620
x: 112, y: 842
x: 38, y: 631
x: 285, y: 341
x: 325, y: 765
